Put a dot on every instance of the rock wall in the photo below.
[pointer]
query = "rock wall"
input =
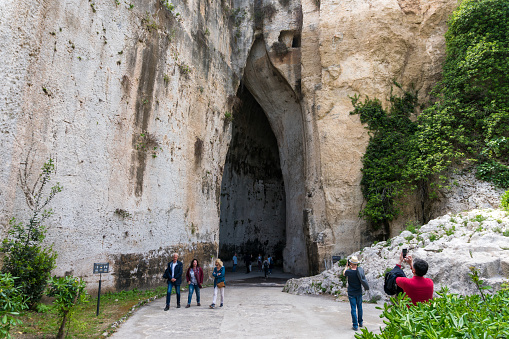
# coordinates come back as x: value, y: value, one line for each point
x: 131, y: 99
x: 253, y: 204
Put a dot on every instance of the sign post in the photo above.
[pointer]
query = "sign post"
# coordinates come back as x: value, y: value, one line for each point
x: 100, y: 268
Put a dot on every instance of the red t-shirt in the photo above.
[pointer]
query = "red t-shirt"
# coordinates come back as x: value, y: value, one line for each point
x: 418, y: 289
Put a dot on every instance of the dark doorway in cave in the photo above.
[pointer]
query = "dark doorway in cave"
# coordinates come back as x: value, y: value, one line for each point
x: 253, y: 204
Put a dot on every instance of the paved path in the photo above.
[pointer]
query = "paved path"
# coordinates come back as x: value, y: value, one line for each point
x: 253, y: 309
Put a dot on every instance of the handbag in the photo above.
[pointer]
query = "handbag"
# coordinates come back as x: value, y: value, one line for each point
x: 220, y: 284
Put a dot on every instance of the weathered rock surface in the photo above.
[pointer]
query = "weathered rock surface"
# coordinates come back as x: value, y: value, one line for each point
x: 132, y: 101
x: 451, y: 244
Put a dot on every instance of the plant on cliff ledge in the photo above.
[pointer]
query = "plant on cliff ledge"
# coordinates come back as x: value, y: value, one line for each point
x: 468, y: 122
x: 26, y: 257
x: 470, y: 118
x: 391, y: 145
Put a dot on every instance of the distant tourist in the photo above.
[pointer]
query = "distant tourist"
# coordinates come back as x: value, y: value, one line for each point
x: 234, y: 262
x: 356, y: 280
x: 194, y: 277
x: 219, y: 280
x: 418, y: 288
x: 271, y: 263
x: 259, y: 262
x: 266, y: 267
x: 247, y: 261
x: 173, y: 274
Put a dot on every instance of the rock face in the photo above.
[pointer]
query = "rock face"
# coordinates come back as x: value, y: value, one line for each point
x: 134, y: 101
x: 450, y: 244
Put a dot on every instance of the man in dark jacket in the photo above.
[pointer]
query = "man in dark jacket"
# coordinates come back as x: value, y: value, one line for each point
x: 173, y: 274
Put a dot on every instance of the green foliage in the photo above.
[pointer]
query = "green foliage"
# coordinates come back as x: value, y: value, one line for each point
x: 412, y: 227
x: 479, y: 218
x: 26, y: 257
x: 390, y: 148
x: 449, y: 316
x: 68, y: 292
x: 468, y: 122
x: 11, y: 303
x: 471, y: 115
x: 228, y: 116
x: 504, y: 202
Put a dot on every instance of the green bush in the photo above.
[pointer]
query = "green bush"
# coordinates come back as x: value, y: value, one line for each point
x: 470, y: 118
x: 26, y: 257
x: 32, y: 264
x: 466, y: 123
x: 504, y: 202
x: 391, y: 144
x: 11, y: 303
x: 449, y: 316
x: 68, y: 292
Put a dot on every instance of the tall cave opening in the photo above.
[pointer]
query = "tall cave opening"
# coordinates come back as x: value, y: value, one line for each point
x: 253, y: 203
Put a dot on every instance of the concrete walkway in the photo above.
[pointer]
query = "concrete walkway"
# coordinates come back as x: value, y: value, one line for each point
x: 254, y: 308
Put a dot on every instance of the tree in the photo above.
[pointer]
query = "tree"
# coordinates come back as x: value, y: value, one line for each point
x: 26, y: 257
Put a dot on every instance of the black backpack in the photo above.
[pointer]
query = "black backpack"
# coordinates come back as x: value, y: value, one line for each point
x: 390, y: 286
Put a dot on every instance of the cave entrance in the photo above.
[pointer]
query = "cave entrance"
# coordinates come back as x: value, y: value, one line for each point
x: 275, y: 153
x: 253, y: 203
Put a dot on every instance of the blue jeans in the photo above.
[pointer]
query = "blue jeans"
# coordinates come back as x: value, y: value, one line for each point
x: 168, y: 293
x: 193, y: 288
x: 356, y: 304
x: 234, y: 267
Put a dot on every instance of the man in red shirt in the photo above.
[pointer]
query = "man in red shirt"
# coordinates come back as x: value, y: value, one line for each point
x: 418, y: 288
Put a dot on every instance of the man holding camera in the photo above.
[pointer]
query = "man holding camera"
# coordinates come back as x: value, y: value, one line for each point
x: 354, y: 291
x: 418, y: 288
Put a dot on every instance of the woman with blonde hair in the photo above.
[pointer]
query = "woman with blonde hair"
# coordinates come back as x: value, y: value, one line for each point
x: 219, y: 280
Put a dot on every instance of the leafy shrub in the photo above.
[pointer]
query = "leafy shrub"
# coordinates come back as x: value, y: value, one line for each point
x: 11, y: 303
x: 471, y: 115
x: 467, y: 121
x: 68, y: 292
x: 26, y: 258
x: 504, y: 202
x: 390, y: 146
x: 449, y: 316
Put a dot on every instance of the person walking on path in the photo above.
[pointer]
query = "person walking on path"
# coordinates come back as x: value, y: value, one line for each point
x: 173, y: 274
x: 219, y: 280
x: 266, y: 267
x: 354, y: 292
x: 194, y: 277
x: 234, y: 262
x: 271, y: 263
x: 247, y: 261
x: 418, y: 288
x: 259, y: 262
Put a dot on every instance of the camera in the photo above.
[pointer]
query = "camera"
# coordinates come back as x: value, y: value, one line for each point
x: 348, y: 262
x: 405, y: 251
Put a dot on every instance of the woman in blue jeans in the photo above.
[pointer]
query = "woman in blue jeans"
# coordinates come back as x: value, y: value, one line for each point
x: 194, y: 277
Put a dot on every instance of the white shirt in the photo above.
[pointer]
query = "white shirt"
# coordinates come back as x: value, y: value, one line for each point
x: 172, y: 265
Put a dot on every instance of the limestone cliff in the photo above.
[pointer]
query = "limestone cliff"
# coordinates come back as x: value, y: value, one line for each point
x: 135, y: 101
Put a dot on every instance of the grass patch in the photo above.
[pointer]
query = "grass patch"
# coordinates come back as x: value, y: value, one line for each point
x: 85, y: 323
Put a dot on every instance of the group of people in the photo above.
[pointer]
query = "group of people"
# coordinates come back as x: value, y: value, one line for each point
x: 417, y: 288
x: 194, y: 277
x: 266, y: 264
